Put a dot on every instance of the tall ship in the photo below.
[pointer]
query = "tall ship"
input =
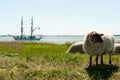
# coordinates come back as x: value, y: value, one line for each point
x: 24, y: 37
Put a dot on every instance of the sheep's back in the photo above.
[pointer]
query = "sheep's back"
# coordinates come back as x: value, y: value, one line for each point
x: 116, y: 48
x: 109, y: 43
x: 75, y: 48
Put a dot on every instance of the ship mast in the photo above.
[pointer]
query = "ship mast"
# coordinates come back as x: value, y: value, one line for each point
x: 22, y: 27
x: 32, y: 27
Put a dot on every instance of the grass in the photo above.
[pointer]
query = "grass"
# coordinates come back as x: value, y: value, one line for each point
x: 44, y: 61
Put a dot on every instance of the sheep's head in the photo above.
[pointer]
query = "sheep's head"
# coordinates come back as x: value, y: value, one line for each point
x: 95, y: 37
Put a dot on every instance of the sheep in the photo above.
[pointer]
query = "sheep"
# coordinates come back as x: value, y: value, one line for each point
x: 76, y: 48
x: 116, y: 48
x: 96, y: 44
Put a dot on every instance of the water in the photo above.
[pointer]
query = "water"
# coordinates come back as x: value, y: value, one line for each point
x: 61, y: 39
x: 58, y: 39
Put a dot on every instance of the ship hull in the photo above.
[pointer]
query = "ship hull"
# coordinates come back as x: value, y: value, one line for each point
x: 27, y: 38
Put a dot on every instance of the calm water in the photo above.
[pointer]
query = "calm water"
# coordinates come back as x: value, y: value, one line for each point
x: 61, y: 39
x: 57, y: 39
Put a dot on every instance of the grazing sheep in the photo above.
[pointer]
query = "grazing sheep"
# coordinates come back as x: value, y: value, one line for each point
x: 116, y: 48
x: 96, y: 44
x: 76, y: 48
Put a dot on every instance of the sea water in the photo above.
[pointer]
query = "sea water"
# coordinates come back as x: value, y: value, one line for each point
x: 57, y: 39
x: 61, y: 39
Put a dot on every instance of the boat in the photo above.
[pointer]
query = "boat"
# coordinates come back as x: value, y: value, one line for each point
x: 25, y: 37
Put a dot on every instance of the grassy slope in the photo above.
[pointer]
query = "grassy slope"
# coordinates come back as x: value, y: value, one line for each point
x: 38, y: 61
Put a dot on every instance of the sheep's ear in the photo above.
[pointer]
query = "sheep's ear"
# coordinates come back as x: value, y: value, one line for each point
x: 101, y: 34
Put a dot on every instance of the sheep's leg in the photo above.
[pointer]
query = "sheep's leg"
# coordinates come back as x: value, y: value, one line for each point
x: 102, y: 59
x: 97, y: 60
x: 90, y: 61
x: 110, y: 54
x: 110, y: 62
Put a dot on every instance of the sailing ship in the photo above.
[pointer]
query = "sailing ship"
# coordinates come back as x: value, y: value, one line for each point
x: 29, y: 38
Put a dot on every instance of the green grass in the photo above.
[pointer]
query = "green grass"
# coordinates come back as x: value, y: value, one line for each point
x: 44, y: 61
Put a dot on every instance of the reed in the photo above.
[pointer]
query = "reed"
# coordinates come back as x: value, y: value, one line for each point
x: 45, y: 61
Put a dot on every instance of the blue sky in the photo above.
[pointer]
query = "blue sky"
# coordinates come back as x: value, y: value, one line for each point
x: 60, y: 17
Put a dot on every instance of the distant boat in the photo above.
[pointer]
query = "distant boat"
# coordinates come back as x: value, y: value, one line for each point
x: 26, y: 38
x: 29, y: 38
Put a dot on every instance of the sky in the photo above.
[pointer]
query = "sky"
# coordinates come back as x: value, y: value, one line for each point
x: 60, y: 17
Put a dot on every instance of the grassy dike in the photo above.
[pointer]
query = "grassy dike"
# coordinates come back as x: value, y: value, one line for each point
x: 45, y: 61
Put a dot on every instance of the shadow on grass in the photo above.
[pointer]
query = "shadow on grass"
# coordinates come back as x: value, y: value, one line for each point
x: 103, y: 72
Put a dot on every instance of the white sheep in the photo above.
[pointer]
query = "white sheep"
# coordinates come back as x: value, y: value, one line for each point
x: 116, y: 48
x: 76, y: 48
x: 96, y: 44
